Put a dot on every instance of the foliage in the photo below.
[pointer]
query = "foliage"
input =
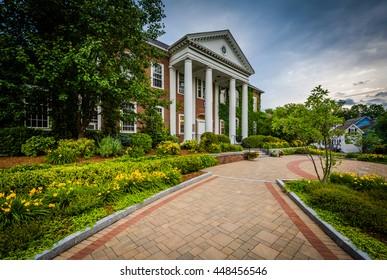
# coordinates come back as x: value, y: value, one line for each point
x: 214, y: 148
x: 168, y: 148
x: 135, y: 152
x: 264, y: 141
x: 208, y: 138
x: 223, y: 138
x: 381, y: 126
x: 75, y: 57
x: 82, y: 147
x: 313, y: 122
x: 372, y: 158
x: 171, y: 138
x: 370, y: 141
x: 141, y: 140
x: 362, y: 211
x: 154, y: 126
x: 230, y: 147
x: 192, y: 145
x: 38, y: 145
x: 109, y: 146
x: 355, y: 138
x: 12, y: 139
x: 74, y: 197
x: 373, y: 111
x: 61, y: 155
x: 251, y: 155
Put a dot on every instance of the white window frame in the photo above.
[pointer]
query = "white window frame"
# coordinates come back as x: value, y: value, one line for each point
x: 38, y: 118
x: 160, y: 110
x: 201, y: 88
x: 255, y: 104
x: 95, y: 125
x: 221, y: 127
x: 180, y: 83
x: 123, y: 125
x: 153, y: 73
x: 181, y: 131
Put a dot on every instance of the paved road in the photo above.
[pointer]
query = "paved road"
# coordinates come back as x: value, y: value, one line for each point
x: 238, y: 213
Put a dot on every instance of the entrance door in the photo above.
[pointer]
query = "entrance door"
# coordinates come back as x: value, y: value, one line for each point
x: 201, y: 128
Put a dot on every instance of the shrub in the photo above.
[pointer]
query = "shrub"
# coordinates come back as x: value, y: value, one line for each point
x: 38, y: 145
x: 208, y: 138
x: 135, y: 152
x: 289, y: 151
x: 191, y: 145
x: 126, y: 139
x: 230, y: 147
x: 171, y: 138
x: 95, y: 135
x: 214, y: 148
x: 356, y: 182
x: 61, y: 155
x: 109, y: 146
x: 372, y: 158
x: 168, y: 148
x: 296, y: 143
x: 251, y: 155
x: 223, y: 139
x: 82, y: 147
x: 351, y: 155
x: 13, y: 138
x: 142, y: 140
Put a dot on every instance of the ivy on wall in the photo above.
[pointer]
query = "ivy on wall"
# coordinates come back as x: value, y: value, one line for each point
x: 252, y: 116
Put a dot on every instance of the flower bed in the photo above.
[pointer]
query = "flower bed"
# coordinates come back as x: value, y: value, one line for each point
x: 38, y: 207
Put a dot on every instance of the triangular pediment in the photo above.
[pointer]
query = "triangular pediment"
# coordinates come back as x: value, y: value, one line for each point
x: 220, y: 45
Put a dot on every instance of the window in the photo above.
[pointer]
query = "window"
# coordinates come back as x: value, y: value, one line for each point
x: 160, y: 110
x: 181, y: 124
x: 222, y: 96
x: 255, y: 104
x: 157, y: 75
x: 255, y: 127
x: 95, y: 119
x: 201, y: 88
x: 181, y: 83
x: 236, y: 98
x: 129, y: 126
x: 221, y: 127
x: 37, y: 116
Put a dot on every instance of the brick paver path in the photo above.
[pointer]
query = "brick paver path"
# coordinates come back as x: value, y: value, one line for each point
x: 238, y: 213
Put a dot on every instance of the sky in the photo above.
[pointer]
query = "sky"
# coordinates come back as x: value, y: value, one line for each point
x: 296, y: 45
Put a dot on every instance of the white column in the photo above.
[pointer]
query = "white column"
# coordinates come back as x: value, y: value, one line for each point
x: 194, y: 124
x: 232, y: 113
x: 208, y: 109
x: 216, y: 124
x: 188, y: 99
x: 245, y: 110
x: 172, y: 97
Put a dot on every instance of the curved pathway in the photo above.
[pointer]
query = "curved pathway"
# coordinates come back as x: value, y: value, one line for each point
x: 238, y: 213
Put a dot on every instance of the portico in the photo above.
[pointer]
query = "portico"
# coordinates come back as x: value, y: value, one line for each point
x: 202, y: 64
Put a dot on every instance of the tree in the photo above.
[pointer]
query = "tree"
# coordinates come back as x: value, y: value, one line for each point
x: 78, y: 54
x: 381, y: 126
x: 313, y: 122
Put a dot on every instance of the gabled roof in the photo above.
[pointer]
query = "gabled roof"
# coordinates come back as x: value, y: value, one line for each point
x: 355, y: 122
x: 196, y: 40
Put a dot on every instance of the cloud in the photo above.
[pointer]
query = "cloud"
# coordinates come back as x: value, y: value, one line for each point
x: 349, y: 101
x: 361, y: 83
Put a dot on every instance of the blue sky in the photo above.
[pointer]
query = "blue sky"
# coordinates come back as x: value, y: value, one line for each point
x: 295, y: 45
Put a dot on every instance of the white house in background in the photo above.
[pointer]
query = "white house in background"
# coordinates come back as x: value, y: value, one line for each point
x: 358, y: 125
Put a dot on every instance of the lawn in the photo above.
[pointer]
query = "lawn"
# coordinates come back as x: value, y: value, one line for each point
x: 356, y: 206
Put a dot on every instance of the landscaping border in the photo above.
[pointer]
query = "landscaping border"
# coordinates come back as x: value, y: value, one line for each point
x: 339, y: 239
x: 75, y: 238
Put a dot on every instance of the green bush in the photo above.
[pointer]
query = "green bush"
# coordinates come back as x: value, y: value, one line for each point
x: 125, y: 139
x: 61, y: 155
x: 191, y: 145
x: 13, y: 138
x: 351, y: 155
x: 230, y: 147
x: 25, y: 167
x: 168, y: 148
x: 171, y: 138
x: 109, y: 146
x: 82, y: 147
x: 135, y: 152
x: 38, y: 145
x: 372, y: 158
x: 95, y: 135
x: 223, y: 139
x: 296, y: 143
x: 208, y: 138
x: 214, y: 148
x: 142, y: 140
x: 258, y: 141
x: 363, y: 183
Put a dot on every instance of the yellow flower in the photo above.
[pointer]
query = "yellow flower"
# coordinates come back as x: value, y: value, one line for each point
x: 27, y: 204
x: 55, y: 195
x: 6, y: 210
x: 2, y: 195
x: 51, y: 205
x: 36, y: 203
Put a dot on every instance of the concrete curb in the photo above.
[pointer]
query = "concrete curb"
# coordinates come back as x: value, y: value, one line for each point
x: 339, y: 239
x: 75, y: 238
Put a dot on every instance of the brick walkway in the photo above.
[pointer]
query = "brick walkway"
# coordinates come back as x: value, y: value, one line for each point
x: 238, y: 213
